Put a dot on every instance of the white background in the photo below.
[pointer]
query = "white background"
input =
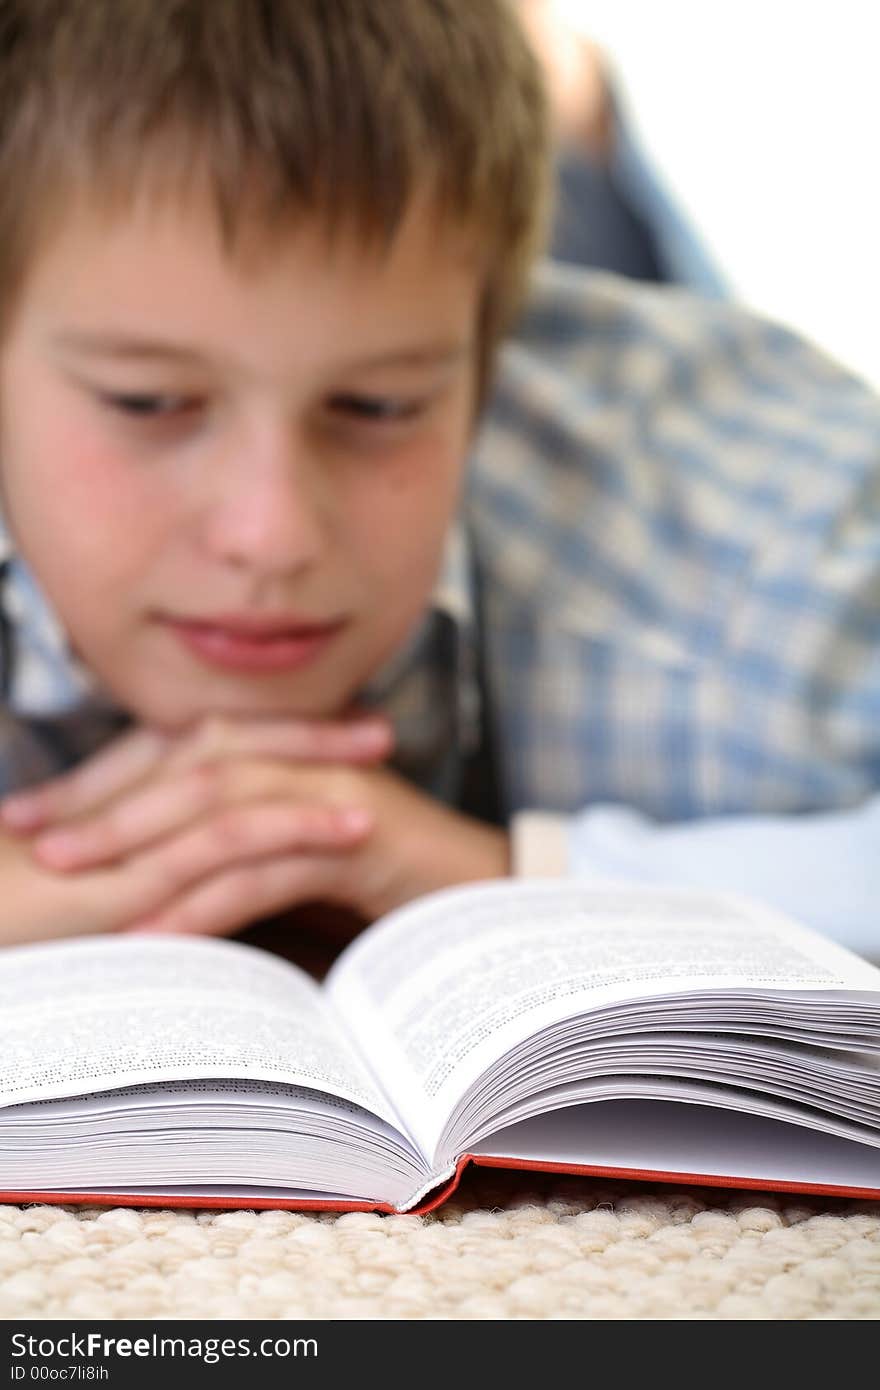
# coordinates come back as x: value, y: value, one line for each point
x: 763, y: 121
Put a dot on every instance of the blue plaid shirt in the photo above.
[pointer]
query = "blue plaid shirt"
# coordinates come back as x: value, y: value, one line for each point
x: 654, y: 647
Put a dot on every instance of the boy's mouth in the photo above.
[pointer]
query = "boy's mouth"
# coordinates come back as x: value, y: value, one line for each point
x: 243, y: 642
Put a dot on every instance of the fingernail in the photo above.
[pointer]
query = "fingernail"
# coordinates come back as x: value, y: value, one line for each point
x: 370, y: 733
x: 354, y: 819
x: 58, y: 847
x: 20, y: 811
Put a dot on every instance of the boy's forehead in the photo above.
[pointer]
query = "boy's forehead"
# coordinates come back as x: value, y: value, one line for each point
x: 153, y: 283
x: 147, y: 244
x: 155, y: 214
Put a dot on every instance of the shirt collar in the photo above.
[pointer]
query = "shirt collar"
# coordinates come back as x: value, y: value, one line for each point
x: 47, y: 677
x: 452, y: 602
x: 454, y: 596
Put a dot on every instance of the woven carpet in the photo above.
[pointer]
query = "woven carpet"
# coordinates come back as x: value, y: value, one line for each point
x: 507, y: 1245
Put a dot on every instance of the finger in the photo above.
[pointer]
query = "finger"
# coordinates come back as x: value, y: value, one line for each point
x: 235, y: 837
x: 118, y: 765
x: 137, y: 821
x: 243, y: 895
x: 362, y: 740
x: 166, y: 806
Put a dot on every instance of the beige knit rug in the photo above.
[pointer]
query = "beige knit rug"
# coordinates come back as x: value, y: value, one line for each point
x: 505, y: 1246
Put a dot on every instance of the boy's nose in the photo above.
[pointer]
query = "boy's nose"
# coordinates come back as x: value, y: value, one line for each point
x: 268, y: 514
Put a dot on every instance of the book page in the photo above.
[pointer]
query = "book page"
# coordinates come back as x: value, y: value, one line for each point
x: 687, y: 1137
x: 105, y: 1012
x: 205, y: 1133
x: 445, y: 986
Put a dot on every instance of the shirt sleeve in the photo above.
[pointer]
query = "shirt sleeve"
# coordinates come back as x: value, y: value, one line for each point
x: 821, y: 868
x: 539, y: 845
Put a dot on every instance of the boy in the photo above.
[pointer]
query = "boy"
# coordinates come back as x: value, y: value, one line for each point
x: 256, y: 270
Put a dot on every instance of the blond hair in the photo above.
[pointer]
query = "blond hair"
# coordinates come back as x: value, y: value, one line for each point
x: 340, y: 108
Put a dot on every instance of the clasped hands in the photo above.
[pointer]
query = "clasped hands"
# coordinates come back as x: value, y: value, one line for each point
x: 210, y: 830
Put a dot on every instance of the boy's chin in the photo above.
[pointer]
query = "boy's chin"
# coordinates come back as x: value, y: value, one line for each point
x: 163, y: 699
x: 177, y: 718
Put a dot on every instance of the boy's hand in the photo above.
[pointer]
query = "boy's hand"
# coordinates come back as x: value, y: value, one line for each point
x: 253, y: 834
x: 39, y: 904
x: 409, y: 844
x: 143, y: 753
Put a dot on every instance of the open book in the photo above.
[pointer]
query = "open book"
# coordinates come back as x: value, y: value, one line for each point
x: 648, y: 1033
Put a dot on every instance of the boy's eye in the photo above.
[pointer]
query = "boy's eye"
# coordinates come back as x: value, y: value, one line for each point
x: 382, y: 409
x: 146, y: 407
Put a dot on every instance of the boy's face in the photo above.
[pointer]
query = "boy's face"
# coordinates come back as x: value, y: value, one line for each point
x: 233, y: 480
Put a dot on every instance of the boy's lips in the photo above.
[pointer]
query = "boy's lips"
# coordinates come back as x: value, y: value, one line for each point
x: 246, y: 642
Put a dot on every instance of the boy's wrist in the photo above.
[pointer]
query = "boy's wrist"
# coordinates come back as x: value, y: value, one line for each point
x: 463, y: 850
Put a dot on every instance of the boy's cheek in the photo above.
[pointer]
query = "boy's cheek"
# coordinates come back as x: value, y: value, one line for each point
x: 81, y: 527
x: 400, y: 552
x: 409, y: 500
x: 73, y: 500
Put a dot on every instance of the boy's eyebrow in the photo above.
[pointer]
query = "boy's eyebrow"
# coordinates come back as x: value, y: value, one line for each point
x: 126, y: 348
